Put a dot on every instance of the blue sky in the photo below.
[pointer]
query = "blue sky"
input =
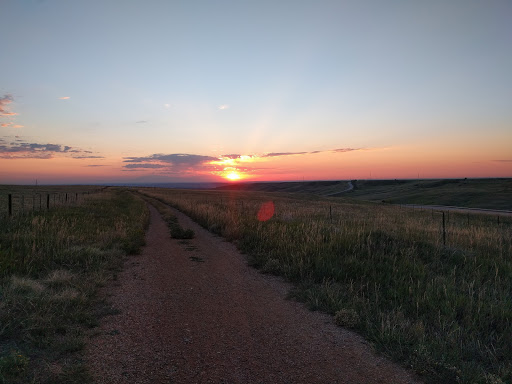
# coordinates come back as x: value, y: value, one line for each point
x: 253, y: 77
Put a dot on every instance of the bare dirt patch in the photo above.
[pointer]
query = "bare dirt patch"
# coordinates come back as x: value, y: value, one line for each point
x: 194, y: 312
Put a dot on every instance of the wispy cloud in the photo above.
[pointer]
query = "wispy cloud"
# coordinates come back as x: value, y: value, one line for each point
x: 88, y: 157
x: 141, y: 122
x: 4, y: 103
x: 95, y: 165
x: 64, y: 98
x: 21, y: 149
x: 16, y: 150
x: 176, y: 159
x: 145, y: 165
x: 503, y: 161
x: 278, y: 154
x: 6, y: 112
x: 174, y: 163
x: 223, y: 107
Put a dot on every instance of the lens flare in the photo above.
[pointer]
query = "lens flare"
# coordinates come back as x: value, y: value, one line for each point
x: 266, y: 211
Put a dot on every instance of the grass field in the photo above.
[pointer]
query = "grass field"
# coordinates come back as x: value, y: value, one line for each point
x: 443, y: 310
x: 51, y: 264
x: 25, y: 199
x: 321, y: 188
x: 473, y: 193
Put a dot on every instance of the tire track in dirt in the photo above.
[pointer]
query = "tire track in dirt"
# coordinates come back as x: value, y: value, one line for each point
x: 194, y: 312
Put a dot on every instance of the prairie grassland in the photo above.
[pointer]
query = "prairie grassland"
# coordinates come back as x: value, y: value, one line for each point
x: 27, y: 199
x: 51, y: 264
x: 444, y: 311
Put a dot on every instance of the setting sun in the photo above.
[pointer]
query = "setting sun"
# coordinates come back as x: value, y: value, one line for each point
x: 233, y: 176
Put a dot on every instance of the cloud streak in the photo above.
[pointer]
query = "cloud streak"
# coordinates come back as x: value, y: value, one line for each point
x: 145, y: 165
x: 11, y: 125
x: 19, y: 149
x: 5, y: 111
x: 338, y: 150
x: 4, y: 103
x: 175, y: 159
x: 279, y: 154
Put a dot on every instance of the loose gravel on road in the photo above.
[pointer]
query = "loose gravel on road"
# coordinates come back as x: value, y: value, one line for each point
x: 194, y: 312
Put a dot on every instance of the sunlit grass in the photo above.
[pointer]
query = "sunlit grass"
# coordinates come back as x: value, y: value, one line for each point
x: 444, y: 310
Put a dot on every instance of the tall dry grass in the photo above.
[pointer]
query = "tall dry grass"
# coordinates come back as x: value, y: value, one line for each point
x: 444, y: 310
x: 51, y: 264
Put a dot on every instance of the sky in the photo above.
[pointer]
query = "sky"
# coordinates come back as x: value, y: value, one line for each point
x: 105, y: 91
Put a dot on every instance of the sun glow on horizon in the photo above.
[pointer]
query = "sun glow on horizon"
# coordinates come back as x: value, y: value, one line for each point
x: 233, y: 176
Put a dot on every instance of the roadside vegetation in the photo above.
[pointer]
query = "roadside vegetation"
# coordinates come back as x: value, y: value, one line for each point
x: 51, y: 264
x: 444, y: 310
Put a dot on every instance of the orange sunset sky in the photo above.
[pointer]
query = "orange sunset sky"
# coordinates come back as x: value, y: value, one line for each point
x: 168, y: 91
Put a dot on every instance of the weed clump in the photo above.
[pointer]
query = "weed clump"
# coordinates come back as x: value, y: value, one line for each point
x: 13, y: 367
x: 346, y: 318
x: 272, y: 266
x: 177, y: 231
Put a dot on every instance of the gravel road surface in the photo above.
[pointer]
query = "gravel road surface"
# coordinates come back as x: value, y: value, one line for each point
x: 194, y: 312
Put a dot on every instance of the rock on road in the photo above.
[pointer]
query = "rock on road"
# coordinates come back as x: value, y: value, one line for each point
x: 194, y: 312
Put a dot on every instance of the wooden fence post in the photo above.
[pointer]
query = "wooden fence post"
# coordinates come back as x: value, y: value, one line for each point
x: 330, y: 213
x: 10, y: 204
x: 48, y: 201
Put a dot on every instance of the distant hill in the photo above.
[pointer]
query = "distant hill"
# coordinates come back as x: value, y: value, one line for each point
x: 321, y: 188
x: 473, y: 193
x: 204, y: 185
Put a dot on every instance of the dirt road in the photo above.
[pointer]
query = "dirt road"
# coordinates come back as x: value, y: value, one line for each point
x: 348, y: 189
x: 195, y: 312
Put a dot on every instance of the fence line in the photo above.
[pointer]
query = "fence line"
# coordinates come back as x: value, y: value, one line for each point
x: 19, y: 203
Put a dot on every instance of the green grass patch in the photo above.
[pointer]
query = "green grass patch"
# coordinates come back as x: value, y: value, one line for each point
x: 51, y: 264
